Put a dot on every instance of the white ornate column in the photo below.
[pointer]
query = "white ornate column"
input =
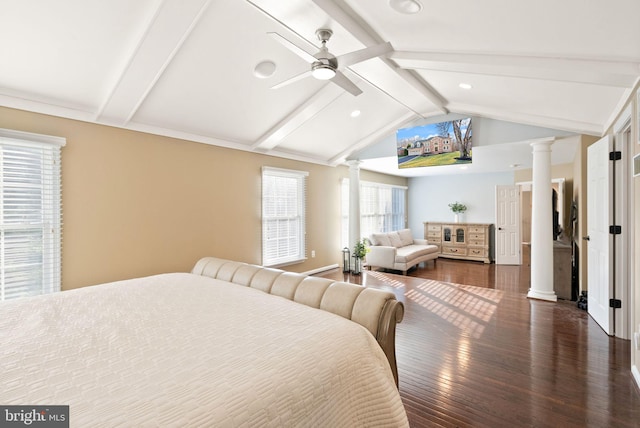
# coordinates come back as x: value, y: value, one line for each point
x: 542, y: 224
x: 354, y: 202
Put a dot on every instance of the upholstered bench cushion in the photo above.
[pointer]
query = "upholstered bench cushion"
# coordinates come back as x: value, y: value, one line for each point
x: 409, y: 253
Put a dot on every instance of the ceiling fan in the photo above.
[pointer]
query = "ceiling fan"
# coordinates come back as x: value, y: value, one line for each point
x: 325, y: 66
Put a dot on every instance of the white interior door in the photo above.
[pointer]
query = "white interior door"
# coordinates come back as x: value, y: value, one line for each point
x: 508, y: 242
x: 599, y: 217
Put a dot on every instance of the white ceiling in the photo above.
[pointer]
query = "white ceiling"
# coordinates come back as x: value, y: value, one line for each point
x: 184, y: 68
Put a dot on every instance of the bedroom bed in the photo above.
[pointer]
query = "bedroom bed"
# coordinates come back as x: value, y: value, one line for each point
x: 229, y: 344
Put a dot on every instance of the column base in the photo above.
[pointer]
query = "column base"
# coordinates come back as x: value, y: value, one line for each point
x: 549, y: 296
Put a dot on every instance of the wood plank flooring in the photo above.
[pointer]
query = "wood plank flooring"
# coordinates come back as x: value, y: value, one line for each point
x: 473, y: 351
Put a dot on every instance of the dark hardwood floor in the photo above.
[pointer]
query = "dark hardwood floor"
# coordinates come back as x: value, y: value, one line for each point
x: 473, y: 350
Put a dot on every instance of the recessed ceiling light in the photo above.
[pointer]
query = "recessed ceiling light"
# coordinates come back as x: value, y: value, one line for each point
x: 514, y: 165
x: 408, y: 7
x: 355, y: 113
x: 465, y: 86
x: 264, y: 69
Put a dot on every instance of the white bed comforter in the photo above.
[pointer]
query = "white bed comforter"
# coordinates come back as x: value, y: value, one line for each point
x: 185, y: 350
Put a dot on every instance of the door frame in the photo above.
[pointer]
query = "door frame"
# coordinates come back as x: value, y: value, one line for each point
x: 624, y: 266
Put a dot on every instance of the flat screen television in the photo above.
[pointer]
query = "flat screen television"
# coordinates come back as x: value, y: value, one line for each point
x: 435, y: 144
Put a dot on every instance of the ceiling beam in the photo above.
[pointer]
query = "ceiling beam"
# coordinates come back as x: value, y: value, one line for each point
x: 579, y: 70
x: 173, y: 22
x: 312, y: 106
x: 530, y: 119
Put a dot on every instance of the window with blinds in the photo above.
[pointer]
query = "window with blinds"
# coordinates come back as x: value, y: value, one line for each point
x: 30, y: 214
x: 283, y: 216
x: 382, y: 208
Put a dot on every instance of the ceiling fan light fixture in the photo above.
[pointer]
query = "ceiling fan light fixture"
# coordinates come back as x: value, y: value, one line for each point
x: 323, y: 72
x: 408, y: 7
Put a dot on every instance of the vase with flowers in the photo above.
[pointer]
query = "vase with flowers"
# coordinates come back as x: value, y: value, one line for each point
x: 457, y: 208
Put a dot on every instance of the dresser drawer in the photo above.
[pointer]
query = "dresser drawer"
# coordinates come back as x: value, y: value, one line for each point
x: 476, y: 229
x: 477, y: 252
x: 434, y: 235
x: 460, y: 251
x: 433, y: 228
x: 476, y: 237
x: 476, y: 243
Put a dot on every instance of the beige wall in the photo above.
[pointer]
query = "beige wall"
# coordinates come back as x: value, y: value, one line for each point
x: 136, y: 204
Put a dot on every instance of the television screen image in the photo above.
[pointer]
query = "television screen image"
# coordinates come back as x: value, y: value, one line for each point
x: 435, y: 144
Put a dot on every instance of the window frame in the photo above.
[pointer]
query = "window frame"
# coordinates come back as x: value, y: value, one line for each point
x: 30, y: 201
x: 290, y: 217
x: 379, y: 221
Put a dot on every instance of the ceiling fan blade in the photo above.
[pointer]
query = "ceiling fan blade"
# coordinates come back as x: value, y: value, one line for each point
x: 292, y: 79
x: 346, y: 84
x: 293, y: 47
x: 363, y: 54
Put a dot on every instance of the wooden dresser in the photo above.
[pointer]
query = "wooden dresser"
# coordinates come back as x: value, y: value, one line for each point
x: 467, y: 241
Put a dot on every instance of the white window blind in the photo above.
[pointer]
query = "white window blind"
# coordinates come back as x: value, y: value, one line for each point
x: 283, y: 216
x: 30, y: 214
x: 382, y: 208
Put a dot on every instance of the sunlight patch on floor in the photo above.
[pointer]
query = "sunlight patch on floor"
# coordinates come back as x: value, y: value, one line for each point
x: 384, y: 279
x: 466, y: 307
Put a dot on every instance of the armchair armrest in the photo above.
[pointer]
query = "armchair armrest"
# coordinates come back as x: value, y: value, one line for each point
x: 418, y: 241
x: 381, y: 256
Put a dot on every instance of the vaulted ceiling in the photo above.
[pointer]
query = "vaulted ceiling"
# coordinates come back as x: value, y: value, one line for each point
x: 187, y: 68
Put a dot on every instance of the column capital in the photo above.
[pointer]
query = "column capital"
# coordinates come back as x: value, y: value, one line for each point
x: 354, y: 163
x: 542, y: 143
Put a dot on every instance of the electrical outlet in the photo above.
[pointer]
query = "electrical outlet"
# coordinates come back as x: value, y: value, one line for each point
x: 313, y: 253
x: 636, y: 339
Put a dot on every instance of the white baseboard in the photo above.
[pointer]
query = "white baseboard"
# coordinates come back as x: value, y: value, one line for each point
x: 636, y: 374
x: 321, y: 269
